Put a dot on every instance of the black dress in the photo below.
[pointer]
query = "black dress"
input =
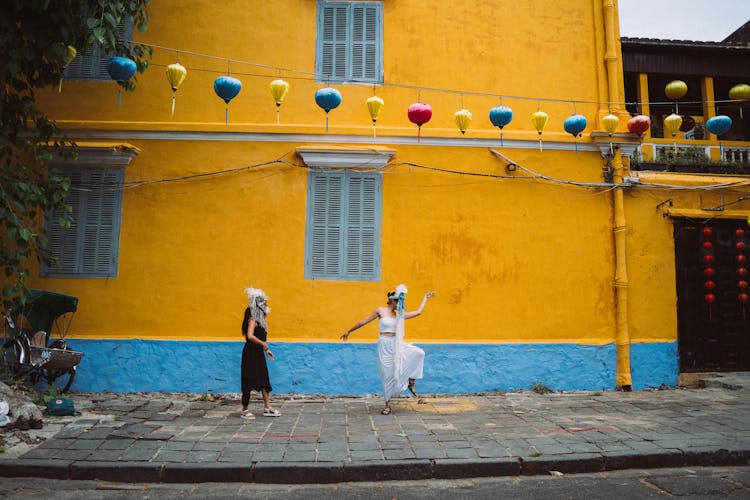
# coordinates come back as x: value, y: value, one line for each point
x: 254, y: 368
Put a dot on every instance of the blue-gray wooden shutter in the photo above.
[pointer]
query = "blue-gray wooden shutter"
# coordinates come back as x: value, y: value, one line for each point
x: 349, y: 42
x: 365, y: 46
x: 90, y: 247
x: 91, y: 63
x: 343, y: 226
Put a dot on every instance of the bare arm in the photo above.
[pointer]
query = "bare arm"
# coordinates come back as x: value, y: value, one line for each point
x: 414, y: 314
x: 255, y: 340
x: 360, y: 324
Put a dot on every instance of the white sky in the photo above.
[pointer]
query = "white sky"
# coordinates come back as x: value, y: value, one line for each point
x: 697, y: 20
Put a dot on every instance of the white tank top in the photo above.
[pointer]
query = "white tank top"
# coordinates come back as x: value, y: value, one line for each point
x: 387, y: 324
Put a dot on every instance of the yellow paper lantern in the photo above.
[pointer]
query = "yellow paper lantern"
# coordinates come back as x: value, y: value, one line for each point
x: 610, y: 123
x: 463, y: 119
x: 70, y: 54
x: 176, y: 74
x: 740, y: 92
x: 672, y: 124
x: 539, y: 120
x: 676, y: 89
x: 279, y: 89
x: 374, y: 107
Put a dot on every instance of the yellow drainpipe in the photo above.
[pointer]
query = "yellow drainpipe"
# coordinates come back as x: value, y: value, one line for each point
x: 622, y: 335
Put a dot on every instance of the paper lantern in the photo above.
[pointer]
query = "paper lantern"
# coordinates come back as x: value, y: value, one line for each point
x: 740, y: 92
x: 463, y: 119
x: 327, y: 98
x: 639, y: 124
x: 672, y: 124
x: 574, y: 125
x: 374, y: 107
x: 676, y: 89
x: 539, y: 120
x: 70, y: 54
x: 719, y: 125
x: 121, y: 69
x: 279, y: 89
x: 227, y: 87
x: 610, y: 123
x: 176, y: 74
x: 419, y: 113
x: 500, y: 116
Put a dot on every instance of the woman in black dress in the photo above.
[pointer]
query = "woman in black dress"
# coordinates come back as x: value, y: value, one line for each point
x: 254, y: 371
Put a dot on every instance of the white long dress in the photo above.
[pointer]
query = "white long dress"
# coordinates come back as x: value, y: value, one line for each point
x: 412, y: 360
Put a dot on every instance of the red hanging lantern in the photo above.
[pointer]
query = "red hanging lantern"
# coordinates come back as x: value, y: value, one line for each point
x: 707, y: 232
x: 709, y: 285
x: 741, y: 259
x: 419, y: 113
x: 739, y: 233
x: 708, y: 245
x: 709, y: 272
x: 743, y: 297
x: 710, y: 298
x: 740, y: 246
x: 708, y: 258
x: 741, y: 272
x: 742, y: 285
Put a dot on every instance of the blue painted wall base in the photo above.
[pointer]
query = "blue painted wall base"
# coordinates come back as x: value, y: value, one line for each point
x: 351, y: 368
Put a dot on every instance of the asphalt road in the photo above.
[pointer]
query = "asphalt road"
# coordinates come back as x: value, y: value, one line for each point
x: 687, y: 483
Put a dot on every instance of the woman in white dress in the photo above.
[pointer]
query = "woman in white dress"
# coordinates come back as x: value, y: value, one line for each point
x: 400, y: 363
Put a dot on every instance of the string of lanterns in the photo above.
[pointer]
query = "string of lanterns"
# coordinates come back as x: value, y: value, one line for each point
x: 226, y: 87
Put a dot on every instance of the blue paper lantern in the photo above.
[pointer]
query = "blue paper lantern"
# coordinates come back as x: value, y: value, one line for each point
x: 574, y: 125
x: 500, y: 116
x: 227, y: 87
x: 328, y: 98
x: 121, y: 69
x: 719, y: 125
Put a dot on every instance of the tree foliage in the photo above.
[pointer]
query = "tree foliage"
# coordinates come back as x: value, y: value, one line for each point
x: 35, y: 36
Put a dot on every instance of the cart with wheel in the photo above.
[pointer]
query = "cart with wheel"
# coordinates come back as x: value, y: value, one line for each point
x: 29, y: 351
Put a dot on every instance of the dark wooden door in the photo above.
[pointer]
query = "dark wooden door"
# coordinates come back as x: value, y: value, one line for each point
x: 713, y: 311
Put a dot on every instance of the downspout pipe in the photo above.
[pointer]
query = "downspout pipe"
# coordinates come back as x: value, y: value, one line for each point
x: 615, y: 92
x: 622, y: 282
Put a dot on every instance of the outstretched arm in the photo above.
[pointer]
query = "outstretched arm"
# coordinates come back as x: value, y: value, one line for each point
x: 360, y: 324
x: 414, y: 314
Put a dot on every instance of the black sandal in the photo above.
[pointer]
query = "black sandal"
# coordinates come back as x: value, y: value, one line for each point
x: 386, y: 411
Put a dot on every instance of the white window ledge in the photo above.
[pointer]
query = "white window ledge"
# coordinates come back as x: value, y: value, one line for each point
x: 331, y: 157
x: 97, y: 154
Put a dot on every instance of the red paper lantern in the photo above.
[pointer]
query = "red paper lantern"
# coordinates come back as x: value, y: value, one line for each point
x: 741, y: 272
x: 743, y: 297
x: 707, y: 231
x: 740, y: 246
x: 742, y: 284
x: 708, y: 258
x: 739, y: 233
x: 710, y: 298
x: 708, y: 245
x: 709, y: 285
x: 419, y: 113
x: 639, y: 124
x: 709, y: 272
x: 741, y: 259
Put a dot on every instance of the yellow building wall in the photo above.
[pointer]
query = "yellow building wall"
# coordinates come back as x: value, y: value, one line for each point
x: 511, y: 260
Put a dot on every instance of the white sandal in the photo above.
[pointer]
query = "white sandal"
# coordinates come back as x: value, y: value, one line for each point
x: 247, y: 415
x: 271, y: 412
